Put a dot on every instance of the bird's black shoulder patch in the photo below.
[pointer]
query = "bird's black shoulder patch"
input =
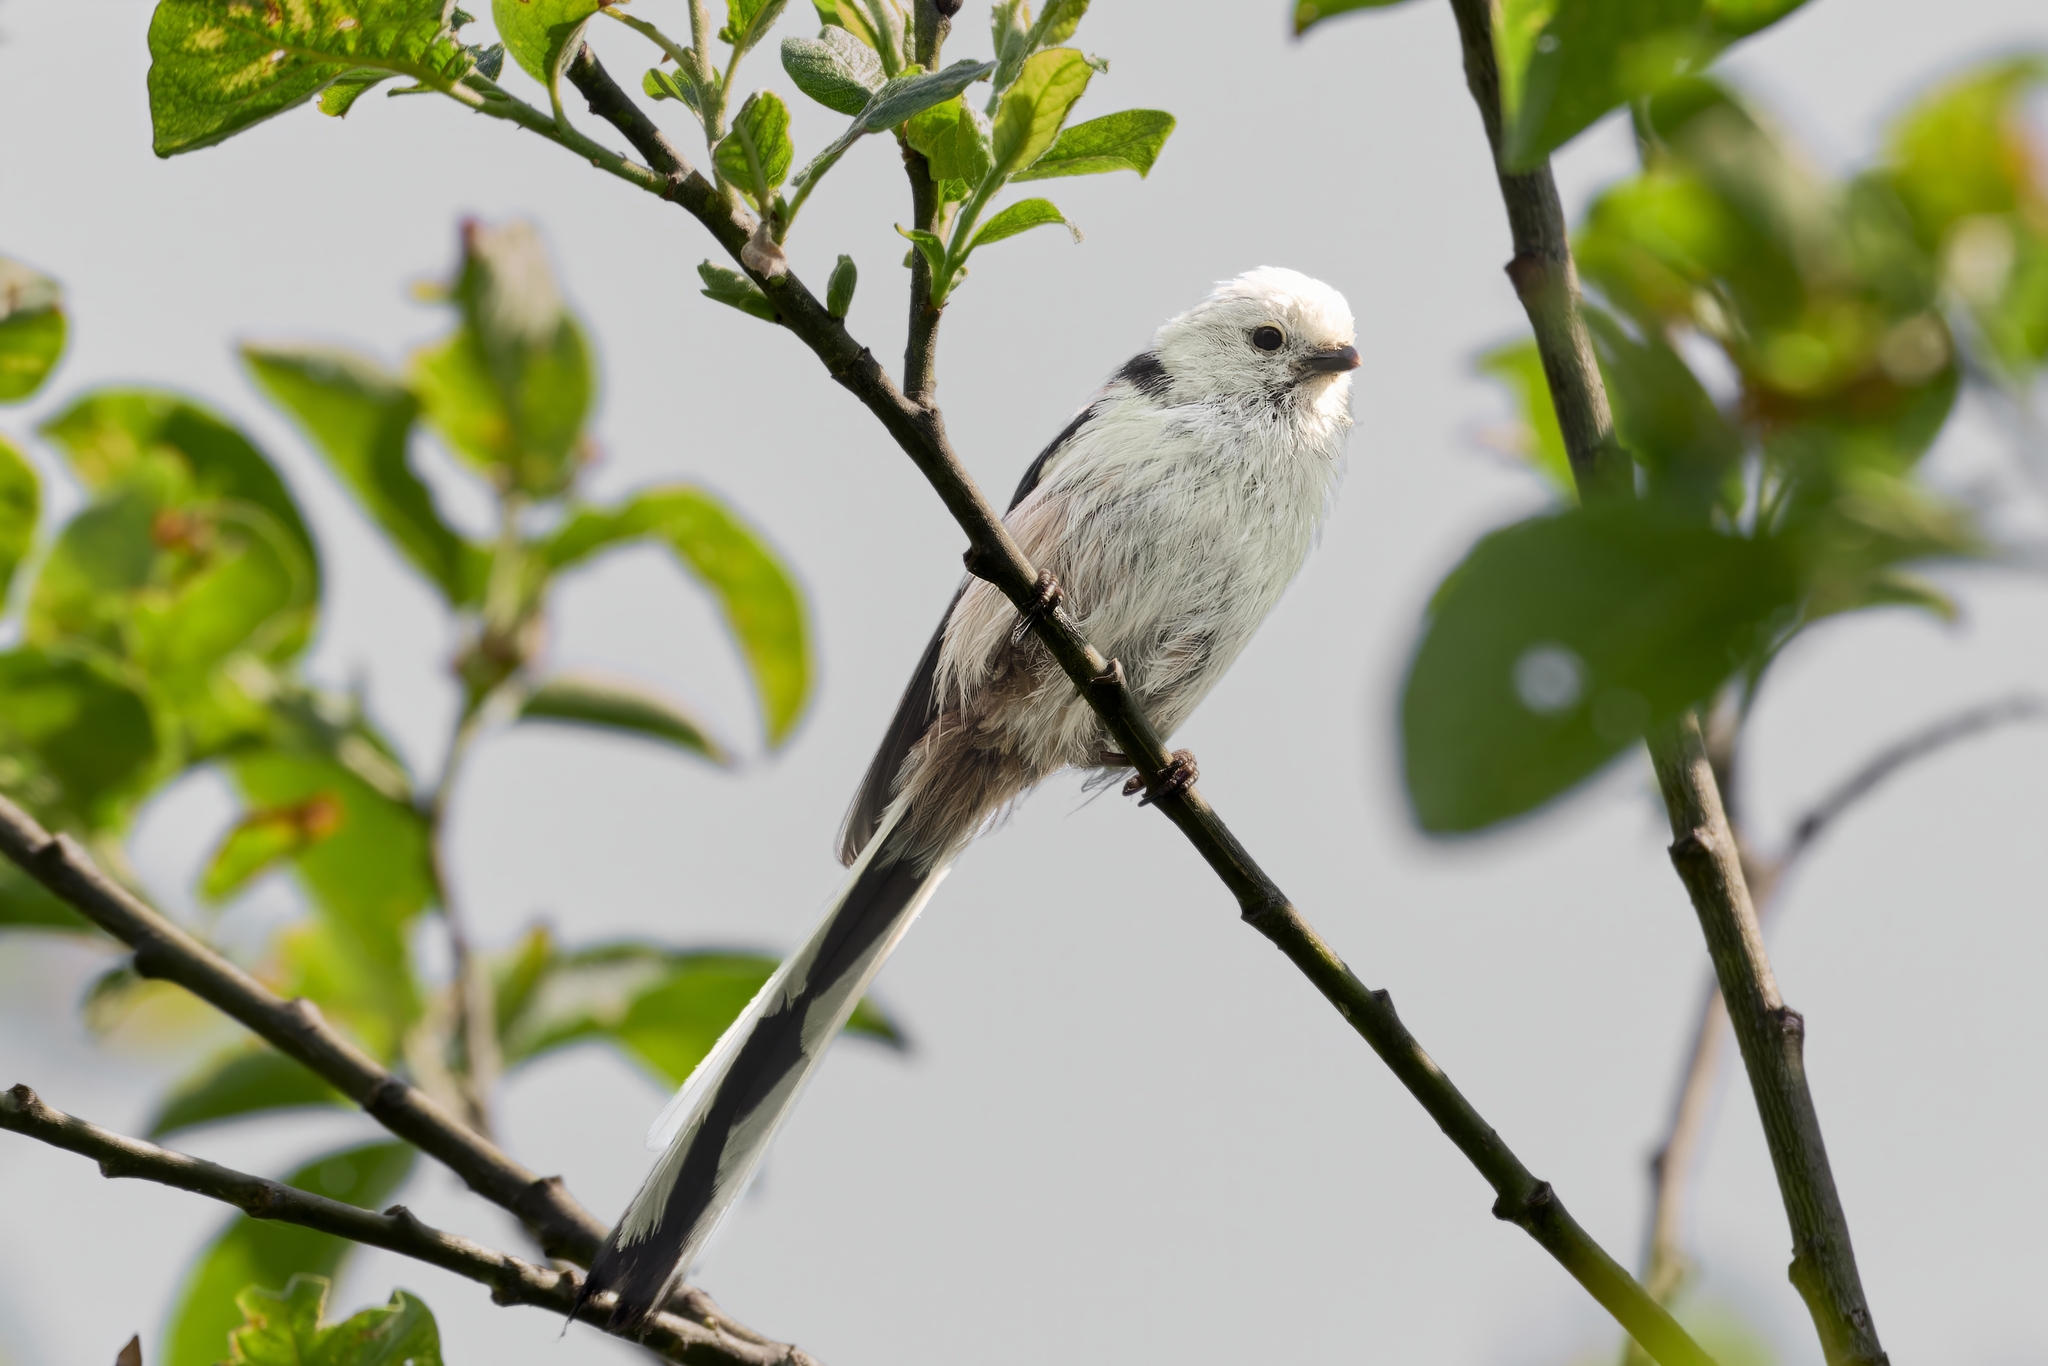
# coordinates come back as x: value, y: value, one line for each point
x: 1146, y: 374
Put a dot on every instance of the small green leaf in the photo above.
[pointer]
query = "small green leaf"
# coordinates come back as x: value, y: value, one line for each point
x: 931, y: 246
x: 21, y: 501
x: 1036, y: 105
x: 1519, y: 366
x: 756, y: 592
x: 360, y: 418
x: 838, y: 290
x: 1058, y: 20
x: 220, y: 66
x: 337, y: 99
x: 264, y: 1253
x: 78, y: 742
x: 1309, y: 13
x: 835, y: 69
x: 1025, y: 214
x: 543, y: 36
x: 611, y: 704
x: 663, y: 1007
x: 916, y: 91
x: 747, y: 22
x: 283, y: 1328
x: 1126, y: 141
x: 754, y: 157
x: 32, y: 329
x: 849, y: 17
x: 1963, y: 151
x: 1560, y: 640
x: 263, y: 839
x: 245, y: 1080
x: 954, y: 139
x: 735, y: 290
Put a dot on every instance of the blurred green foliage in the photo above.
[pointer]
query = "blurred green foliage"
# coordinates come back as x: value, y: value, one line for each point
x: 285, y: 1328
x: 163, y: 630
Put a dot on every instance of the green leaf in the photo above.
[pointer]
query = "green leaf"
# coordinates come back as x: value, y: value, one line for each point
x: 1125, y: 141
x: 1309, y: 13
x: 835, y: 69
x: 1560, y: 640
x: 1963, y: 150
x: 1025, y: 214
x: 756, y: 592
x: 665, y: 1008
x: 747, y: 22
x: 1036, y: 105
x: 263, y: 839
x: 32, y: 329
x: 78, y: 743
x: 543, y: 36
x: 1519, y: 366
x: 337, y: 99
x: 1667, y: 420
x: 735, y: 290
x: 220, y: 66
x: 914, y: 92
x: 839, y: 289
x: 110, y: 435
x: 610, y: 704
x: 360, y: 418
x: 1058, y: 20
x: 21, y: 502
x: 245, y: 1080
x: 931, y: 246
x: 284, y: 1329
x: 510, y: 390
x: 676, y: 85
x: 955, y: 142
x: 263, y: 1253
x: 754, y: 157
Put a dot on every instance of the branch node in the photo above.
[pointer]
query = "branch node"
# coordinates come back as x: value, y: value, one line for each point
x: 1525, y: 1210
x: 978, y: 563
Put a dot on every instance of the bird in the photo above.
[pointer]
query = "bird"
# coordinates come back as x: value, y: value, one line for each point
x: 1167, y: 518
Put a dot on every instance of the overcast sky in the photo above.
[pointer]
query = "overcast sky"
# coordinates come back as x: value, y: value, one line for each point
x: 1128, y: 1131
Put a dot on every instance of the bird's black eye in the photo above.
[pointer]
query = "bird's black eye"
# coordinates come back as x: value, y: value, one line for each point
x: 1268, y: 338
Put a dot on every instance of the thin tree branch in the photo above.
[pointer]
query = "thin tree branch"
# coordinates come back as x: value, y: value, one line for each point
x: 1675, y: 1162
x: 562, y: 1227
x: 918, y: 428
x: 1771, y: 1034
x: 672, y: 1336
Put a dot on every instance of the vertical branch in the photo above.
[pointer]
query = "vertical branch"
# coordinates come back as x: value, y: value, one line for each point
x: 930, y: 25
x: 1770, y: 1033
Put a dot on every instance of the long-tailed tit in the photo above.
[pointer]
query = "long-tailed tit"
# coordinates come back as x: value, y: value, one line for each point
x: 1171, y: 513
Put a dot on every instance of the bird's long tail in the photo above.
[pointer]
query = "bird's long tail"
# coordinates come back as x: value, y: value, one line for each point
x: 714, y: 1133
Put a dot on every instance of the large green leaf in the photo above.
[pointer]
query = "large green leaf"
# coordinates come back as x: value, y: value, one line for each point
x: 1962, y: 150
x: 1035, y: 107
x: 360, y: 418
x: 835, y: 69
x: 284, y: 1328
x: 543, y: 36
x: 1126, y: 141
x: 1565, y: 63
x: 615, y: 705
x: 220, y: 66
x: 510, y: 390
x: 1560, y: 640
x: 256, y: 1252
x: 245, y: 1080
x: 1667, y: 420
x: 32, y: 329
x: 954, y: 139
x: 664, y: 1007
x: 21, y: 502
x: 78, y: 743
x: 757, y: 594
x: 754, y: 157
x: 109, y: 435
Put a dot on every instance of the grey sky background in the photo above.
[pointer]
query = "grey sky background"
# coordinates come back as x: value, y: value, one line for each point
x: 1128, y: 1131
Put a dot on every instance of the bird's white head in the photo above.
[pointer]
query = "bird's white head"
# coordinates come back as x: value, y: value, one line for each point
x: 1270, y: 336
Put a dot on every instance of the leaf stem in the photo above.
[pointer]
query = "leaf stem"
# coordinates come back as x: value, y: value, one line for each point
x: 919, y: 430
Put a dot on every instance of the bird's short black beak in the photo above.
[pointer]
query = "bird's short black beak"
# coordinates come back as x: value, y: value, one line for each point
x: 1333, y: 362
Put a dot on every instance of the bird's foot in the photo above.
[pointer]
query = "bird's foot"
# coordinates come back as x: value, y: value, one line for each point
x: 1046, y: 598
x: 1176, y: 778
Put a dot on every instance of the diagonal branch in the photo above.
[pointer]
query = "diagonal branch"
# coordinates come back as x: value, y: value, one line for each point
x: 512, y: 1281
x: 563, y: 1227
x: 1771, y: 1034
x: 918, y: 428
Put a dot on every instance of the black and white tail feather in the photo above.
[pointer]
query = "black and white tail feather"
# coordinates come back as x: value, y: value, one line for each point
x: 1173, y: 509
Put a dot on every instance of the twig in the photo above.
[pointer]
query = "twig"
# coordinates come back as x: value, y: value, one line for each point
x: 919, y: 429
x: 561, y: 1226
x: 511, y: 1281
x: 1672, y: 1167
x: 921, y: 346
x: 1771, y: 1034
